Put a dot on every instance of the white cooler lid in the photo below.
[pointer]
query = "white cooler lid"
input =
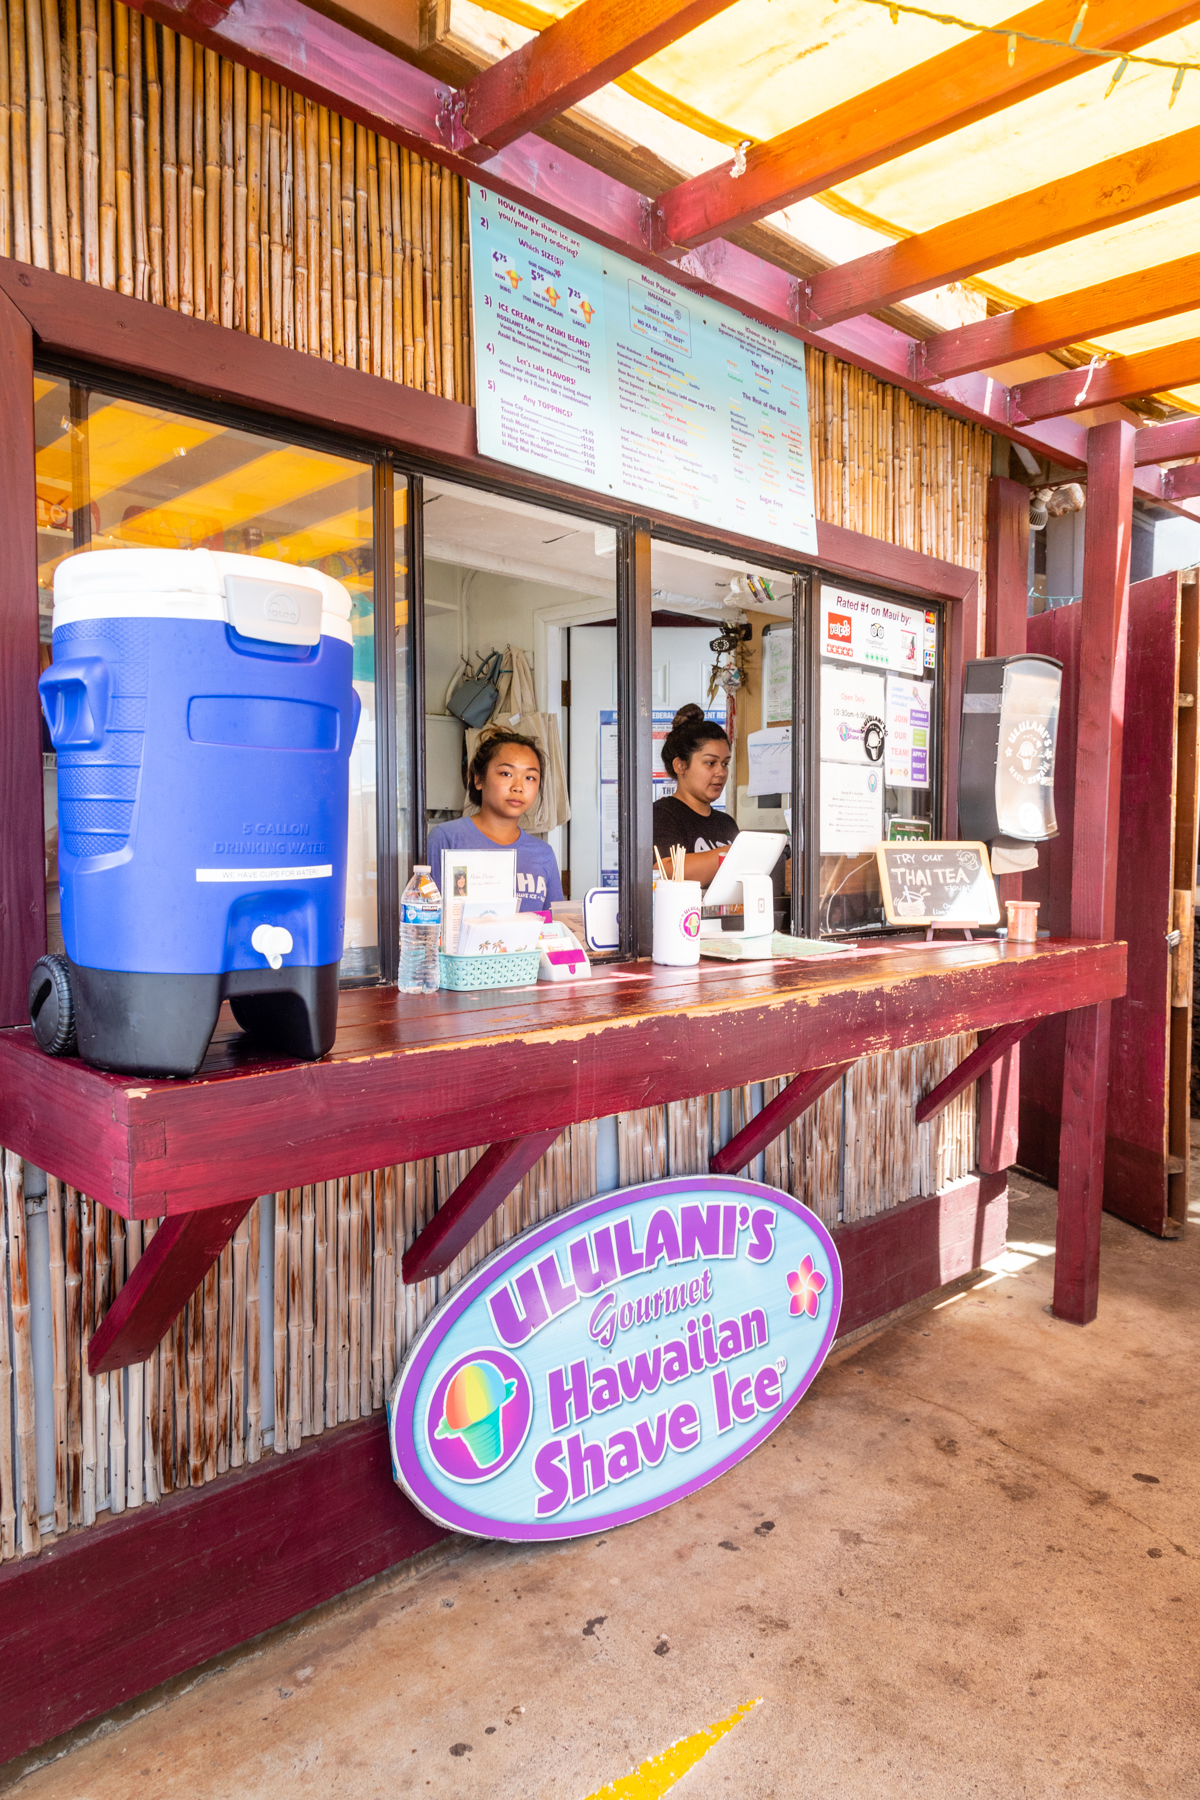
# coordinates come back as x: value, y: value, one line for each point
x: 260, y: 598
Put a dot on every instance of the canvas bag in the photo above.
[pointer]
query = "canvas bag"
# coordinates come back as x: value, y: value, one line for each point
x: 473, y: 701
x: 516, y: 706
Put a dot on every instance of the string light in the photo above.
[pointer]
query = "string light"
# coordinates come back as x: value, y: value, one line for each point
x: 1122, y: 59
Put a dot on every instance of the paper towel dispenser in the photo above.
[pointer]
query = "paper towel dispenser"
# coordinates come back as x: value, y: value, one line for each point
x: 1006, y: 752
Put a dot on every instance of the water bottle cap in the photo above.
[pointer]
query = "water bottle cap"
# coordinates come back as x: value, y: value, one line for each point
x: 418, y: 867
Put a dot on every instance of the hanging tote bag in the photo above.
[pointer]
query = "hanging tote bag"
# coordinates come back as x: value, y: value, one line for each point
x: 475, y: 700
x: 516, y: 707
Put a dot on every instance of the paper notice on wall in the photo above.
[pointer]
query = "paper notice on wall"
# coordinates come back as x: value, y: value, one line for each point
x: 852, y: 722
x: 769, y: 756
x: 777, y: 677
x: 851, y: 809
x: 908, y: 719
x: 610, y: 859
x: 861, y: 628
x: 608, y: 746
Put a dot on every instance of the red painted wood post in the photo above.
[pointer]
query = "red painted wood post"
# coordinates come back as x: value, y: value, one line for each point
x: 166, y: 1275
x: 23, y: 864
x: 962, y: 647
x: 1004, y: 635
x: 1108, y: 527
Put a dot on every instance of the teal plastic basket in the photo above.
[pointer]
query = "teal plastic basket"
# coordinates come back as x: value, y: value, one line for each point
x: 516, y: 968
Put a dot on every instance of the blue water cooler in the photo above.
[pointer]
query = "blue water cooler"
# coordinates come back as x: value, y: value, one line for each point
x: 202, y: 710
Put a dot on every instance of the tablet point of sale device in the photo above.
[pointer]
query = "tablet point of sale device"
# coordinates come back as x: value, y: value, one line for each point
x: 751, y: 853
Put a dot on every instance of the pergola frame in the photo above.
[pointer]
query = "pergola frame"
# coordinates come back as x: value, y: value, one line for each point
x: 326, y: 61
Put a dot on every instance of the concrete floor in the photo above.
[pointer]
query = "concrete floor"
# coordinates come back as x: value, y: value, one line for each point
x: 967, y: 1565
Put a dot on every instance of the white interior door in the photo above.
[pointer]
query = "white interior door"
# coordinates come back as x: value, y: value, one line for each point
x: 681, y: 660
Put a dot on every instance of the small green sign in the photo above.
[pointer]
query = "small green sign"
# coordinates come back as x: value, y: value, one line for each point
x: 909, y: 831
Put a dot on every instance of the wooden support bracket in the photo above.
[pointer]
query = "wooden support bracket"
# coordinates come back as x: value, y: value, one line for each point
x: 776, y: 1116
x: 164, y: 1278
x: 473, y: 1202
x: 995, y: 1045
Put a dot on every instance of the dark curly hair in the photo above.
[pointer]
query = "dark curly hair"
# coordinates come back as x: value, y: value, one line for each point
x: 689, y: 729
x: 489, y: 747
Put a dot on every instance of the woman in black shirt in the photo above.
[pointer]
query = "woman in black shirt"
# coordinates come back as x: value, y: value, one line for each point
x: 696, y: 753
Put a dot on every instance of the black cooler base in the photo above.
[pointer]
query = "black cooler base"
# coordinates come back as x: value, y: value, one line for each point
x: 161, y: 1024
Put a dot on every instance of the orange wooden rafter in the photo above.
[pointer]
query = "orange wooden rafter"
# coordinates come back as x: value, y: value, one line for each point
x: 578, y: 54
x: 1134, y: 299
x: 1126, y: 186
x: 1121, y: 378
x: 969, y: 82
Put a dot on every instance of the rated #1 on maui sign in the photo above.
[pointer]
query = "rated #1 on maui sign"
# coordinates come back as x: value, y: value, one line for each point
x: 614, y: 1359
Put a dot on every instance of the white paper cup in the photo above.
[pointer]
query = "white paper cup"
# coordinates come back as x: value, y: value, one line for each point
x: 676, y: 922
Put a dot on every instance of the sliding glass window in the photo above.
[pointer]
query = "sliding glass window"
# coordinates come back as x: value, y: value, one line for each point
x: 875, y: 754
x: 115, y: 472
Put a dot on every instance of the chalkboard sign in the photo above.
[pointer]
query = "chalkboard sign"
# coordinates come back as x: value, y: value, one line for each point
x: 937, y: 884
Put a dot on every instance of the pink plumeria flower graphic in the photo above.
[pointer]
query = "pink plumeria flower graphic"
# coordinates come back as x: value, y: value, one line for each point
x: 806, y: 1284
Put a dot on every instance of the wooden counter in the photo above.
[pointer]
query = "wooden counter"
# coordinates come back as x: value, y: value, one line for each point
x: 410, y: 1077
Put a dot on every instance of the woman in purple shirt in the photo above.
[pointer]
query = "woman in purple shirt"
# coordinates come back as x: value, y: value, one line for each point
x: 504, y: 780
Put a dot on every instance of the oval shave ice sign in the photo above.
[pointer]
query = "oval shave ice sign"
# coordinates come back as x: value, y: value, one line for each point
x: 615, y: 1358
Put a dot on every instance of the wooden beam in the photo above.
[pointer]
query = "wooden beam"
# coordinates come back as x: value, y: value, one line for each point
x: 1007, y: 567
x: 23, y: 864
x: 570, y: 59
x: 800, y: 1093
x: 1167, y: 443
x: 164, y: 1278
x: 1121, y: 378
x: 1007, y: 589
x: 986, y: 1052
x: 635, y: 744
x: 1128, y: 300
x: 485, y: 1187
x: 1125, y: 187
x: 1108, y: 526
x: 1181, y: 484
x: 962, y: 630
x: 970, y: 81
x: 406, y: 27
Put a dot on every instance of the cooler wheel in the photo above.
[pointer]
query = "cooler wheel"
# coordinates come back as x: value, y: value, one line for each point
x: 51, y: 1008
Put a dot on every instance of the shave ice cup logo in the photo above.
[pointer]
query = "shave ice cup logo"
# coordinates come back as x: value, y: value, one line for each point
x: 614, y: 1359
x: 479, y: 1416
x: 690, y: 923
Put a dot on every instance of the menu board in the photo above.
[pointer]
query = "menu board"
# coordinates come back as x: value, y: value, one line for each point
x: 593, y: 370
x: 945, y: 883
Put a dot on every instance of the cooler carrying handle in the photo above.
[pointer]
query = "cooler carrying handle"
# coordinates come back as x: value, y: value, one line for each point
x: 75, y: 694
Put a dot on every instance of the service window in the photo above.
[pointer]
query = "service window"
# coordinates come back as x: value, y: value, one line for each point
x: 520, y: 606
x: 877, y: 691
x: 114, y: 472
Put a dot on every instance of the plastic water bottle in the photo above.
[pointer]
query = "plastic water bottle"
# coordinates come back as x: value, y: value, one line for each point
x: 420, y: 929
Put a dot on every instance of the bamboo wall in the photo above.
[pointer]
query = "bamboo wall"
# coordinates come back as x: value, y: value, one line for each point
x: 303, y: 1320
x: 136, y: 160
x: 889, y: 467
